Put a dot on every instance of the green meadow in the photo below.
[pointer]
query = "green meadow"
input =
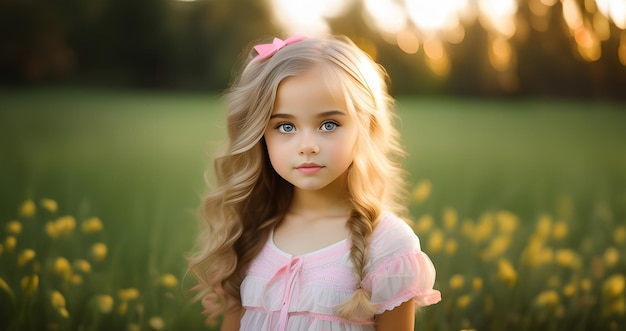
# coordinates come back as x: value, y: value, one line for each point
x: 521, y: 204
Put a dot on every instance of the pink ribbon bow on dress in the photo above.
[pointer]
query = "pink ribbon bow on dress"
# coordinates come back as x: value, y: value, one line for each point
x: 267, y: 50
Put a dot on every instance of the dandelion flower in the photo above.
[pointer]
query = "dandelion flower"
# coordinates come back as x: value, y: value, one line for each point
x: 6, y: 287
x: 613, y: 286
x: 122, y: 308
x: 52, y: 229
x: 25, y: 256
x: 463, y: 301
x: 57, y: 299
x: 456, y: 282
x: 9, y: 243
x: 507, y: 222
x: 484, y: 228
x: 569, y: 290
x: 92, y: 225
x: 61, y: 267
x: 450, y: 218
x: 104, y: 303
x: 549, y: 298
x: 422, y: 191
x: 66, y: 224
x: 99, y: 251
x: 559, y: 230
x: 477, y: 283
x: 128, y: 294
x: 435, y: 241
x: 544, y: 226
x: 30, y: 284
x: 497, y: 247
x: 168, y: 281
x: 451, y: 246
x: 27, y: 209
x: 424, y: 224
x: 82, y: 266
x: 567, y: 258
x: 76, y: 279
x: 49, y: 205
x: 506, y: 272
x: 14, y: 227
x: 156, y: 322
x: 611, y: 257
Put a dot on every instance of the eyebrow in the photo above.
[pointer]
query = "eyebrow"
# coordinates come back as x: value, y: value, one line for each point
x: 323, y: 114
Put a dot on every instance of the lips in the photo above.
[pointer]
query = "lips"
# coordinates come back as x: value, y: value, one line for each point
x: 309, y: 168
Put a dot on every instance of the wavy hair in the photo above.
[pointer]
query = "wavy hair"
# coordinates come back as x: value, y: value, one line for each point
x: 250, y: 198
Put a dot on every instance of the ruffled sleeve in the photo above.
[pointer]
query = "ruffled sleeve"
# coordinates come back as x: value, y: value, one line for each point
x: 399, y: 271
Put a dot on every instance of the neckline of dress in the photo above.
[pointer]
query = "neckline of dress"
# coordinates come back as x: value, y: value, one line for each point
x: 308, y: 254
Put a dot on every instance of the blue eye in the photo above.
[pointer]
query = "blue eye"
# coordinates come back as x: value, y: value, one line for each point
x: 329, y: 126
x: 286, y: 128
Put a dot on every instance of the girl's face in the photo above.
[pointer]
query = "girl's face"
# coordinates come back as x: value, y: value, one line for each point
x: 311, y: 135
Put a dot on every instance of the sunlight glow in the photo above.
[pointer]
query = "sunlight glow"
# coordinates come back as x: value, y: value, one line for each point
x: 498, y: 15
x: 387, y: 15
x: 307, y: 17
x: 435, y: 15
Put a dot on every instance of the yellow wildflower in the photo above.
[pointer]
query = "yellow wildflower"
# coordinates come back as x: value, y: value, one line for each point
x: 156, y: 322
x: 82, y: 266
x: 49, y: 205
x: 467, y: 228
x: 450, y: 218
x: 549, y: 298
x: 76, y: 279
x: 30, y: 284
x: 62, y: 267
x: 463, y: 301
x: 616, y: 307
x: 66, y: 224
x: 99, y: 251
x: 484, y: 229
x: 456, y: 282
x: 567, y: 258
x: 104, y: 303
x: 122, y: 308
x: 569, y: 290
x: 6, y: 287
x: 506, y: 272
x: 613, y: 286
x: 57, y: 299
x: 422, y: 191
x: 424, y: 224
x: 477, y: 283
x: 14, y: 227
x: 27, y: 209
x: 92, y: 225
x: 611, y: 257
x: 25, y: 256
x: 52, y: 229
x: 128, y: 294
x: 9, y: 243
x: 559, y: 230
x: 619, y: 234
x: 507, y: 222
x: 497, y: 247
x: 544, y: 226
x: 451, y: 246
x: 168, y: 281
x: 435, y: 241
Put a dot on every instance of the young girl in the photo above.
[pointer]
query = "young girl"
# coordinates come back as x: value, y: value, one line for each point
x: 303, y: 230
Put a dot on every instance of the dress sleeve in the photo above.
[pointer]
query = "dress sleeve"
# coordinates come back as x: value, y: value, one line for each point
x: 400, y: 272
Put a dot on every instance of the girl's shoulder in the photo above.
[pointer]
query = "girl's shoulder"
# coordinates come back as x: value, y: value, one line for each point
x: 393, y: 235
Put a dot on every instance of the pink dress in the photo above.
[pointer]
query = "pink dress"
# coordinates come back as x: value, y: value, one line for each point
x: 298, y: 292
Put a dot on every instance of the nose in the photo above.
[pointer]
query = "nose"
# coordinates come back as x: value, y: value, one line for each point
x: 308, y: 145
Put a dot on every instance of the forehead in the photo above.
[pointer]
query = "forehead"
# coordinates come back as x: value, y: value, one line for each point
x: 312, y: 89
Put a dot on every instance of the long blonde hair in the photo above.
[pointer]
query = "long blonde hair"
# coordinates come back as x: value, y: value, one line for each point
x: 250, y: 198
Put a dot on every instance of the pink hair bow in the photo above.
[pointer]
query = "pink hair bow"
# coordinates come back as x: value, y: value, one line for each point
x: 267, y: 50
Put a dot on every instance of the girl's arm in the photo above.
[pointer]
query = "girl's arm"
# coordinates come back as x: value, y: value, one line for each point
x: 401, y: 318
x: 232, y: 318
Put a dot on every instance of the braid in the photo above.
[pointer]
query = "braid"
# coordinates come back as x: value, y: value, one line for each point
x: 358, y: 307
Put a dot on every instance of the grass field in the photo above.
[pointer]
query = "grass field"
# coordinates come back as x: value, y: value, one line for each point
x: 135, y: 160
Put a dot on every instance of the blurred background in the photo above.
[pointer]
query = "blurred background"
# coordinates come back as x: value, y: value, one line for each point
x: 512, y: 113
